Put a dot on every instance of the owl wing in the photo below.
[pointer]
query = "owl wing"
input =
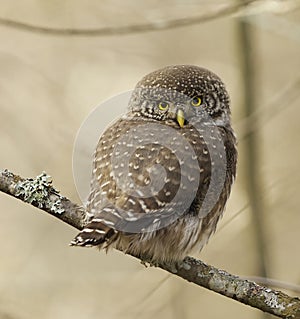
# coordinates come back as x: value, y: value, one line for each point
x: 145, y: 176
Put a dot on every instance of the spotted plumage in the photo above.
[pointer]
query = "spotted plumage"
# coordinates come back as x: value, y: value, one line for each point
x: 163, y: 172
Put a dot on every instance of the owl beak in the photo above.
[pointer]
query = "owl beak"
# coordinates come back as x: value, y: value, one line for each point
x: 180, y: 117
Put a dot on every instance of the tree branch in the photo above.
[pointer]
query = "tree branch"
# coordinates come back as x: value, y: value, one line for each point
x: 40, y: 193
x: 129, y: 29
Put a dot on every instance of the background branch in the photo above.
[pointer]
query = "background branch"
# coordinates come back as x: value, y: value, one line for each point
x: 249, y: 69
x: 40, y: 193
x: 222, y: 11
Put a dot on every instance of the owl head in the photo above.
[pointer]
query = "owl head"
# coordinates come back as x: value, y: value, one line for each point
x: 180, y: 93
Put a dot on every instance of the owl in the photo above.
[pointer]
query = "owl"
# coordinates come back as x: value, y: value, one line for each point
x: 162, y: 173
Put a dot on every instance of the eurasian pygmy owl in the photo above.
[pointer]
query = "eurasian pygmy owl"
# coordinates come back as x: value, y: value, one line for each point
x: 163, y: 172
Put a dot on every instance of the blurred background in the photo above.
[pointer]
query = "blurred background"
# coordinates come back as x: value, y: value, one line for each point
x: 49, y: 83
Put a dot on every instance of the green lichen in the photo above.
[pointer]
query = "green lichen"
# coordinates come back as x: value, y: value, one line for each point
x: 6, y: 172
x: 56, y: 207
x: 271, y: 300
x: 39, y: 191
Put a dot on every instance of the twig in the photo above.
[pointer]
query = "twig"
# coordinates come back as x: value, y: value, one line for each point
x: 40, y: 193
x: 271, y: 282
x: 280, y: 102
x: 248, y: 65
x: 135, y: 28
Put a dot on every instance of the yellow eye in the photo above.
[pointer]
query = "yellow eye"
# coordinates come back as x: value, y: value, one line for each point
x: 163, y: 106
x: 196, y: 101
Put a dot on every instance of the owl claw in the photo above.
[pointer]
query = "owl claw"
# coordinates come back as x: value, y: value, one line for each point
x: 91, y: 236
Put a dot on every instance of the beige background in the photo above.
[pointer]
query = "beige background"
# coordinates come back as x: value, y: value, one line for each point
x: 49, y: 84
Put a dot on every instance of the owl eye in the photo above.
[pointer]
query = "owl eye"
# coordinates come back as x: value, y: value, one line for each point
x: 163, y: 106
x: 196, y: 101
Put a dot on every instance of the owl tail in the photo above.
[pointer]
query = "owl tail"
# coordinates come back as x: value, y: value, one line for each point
x: 95, y: 233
